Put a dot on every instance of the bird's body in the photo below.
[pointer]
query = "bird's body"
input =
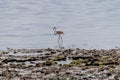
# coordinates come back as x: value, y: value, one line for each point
x: 59, y: 32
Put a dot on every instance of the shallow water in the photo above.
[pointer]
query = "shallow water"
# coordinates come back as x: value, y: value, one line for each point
x: 86, y: 23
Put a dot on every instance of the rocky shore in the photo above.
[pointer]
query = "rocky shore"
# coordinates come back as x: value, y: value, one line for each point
x: 60, y: 64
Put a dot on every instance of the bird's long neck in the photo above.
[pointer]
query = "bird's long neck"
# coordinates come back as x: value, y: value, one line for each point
x: 55, y: 31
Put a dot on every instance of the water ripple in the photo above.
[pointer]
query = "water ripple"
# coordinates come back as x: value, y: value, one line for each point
x: 29, y: 23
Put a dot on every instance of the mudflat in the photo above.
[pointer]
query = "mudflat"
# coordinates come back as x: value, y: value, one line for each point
x: 59, y: 64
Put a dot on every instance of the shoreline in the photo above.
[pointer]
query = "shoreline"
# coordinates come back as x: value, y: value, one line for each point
x: 60, y: 64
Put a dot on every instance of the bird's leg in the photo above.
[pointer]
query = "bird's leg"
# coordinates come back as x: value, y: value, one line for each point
x: 59, y: 40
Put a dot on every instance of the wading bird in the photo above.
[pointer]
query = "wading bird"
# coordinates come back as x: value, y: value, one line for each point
x: 59, y: 35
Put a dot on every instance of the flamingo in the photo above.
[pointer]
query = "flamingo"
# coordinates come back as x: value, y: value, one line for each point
x: 59, y: 35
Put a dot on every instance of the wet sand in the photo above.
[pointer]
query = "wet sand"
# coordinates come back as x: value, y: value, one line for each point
x: 59, y: 64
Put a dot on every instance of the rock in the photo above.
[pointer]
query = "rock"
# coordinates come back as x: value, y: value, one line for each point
x: 53, y: 52
x: 40, y: 64
x: 15, y: 60
x: 12, y: 65
x: 7, y: 74
x: 109, y: 74
x: 116, y: 77
x: 50, y: 62
x: 60, y: 58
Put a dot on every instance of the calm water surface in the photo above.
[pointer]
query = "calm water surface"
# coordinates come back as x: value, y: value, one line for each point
x: 86, y: 23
